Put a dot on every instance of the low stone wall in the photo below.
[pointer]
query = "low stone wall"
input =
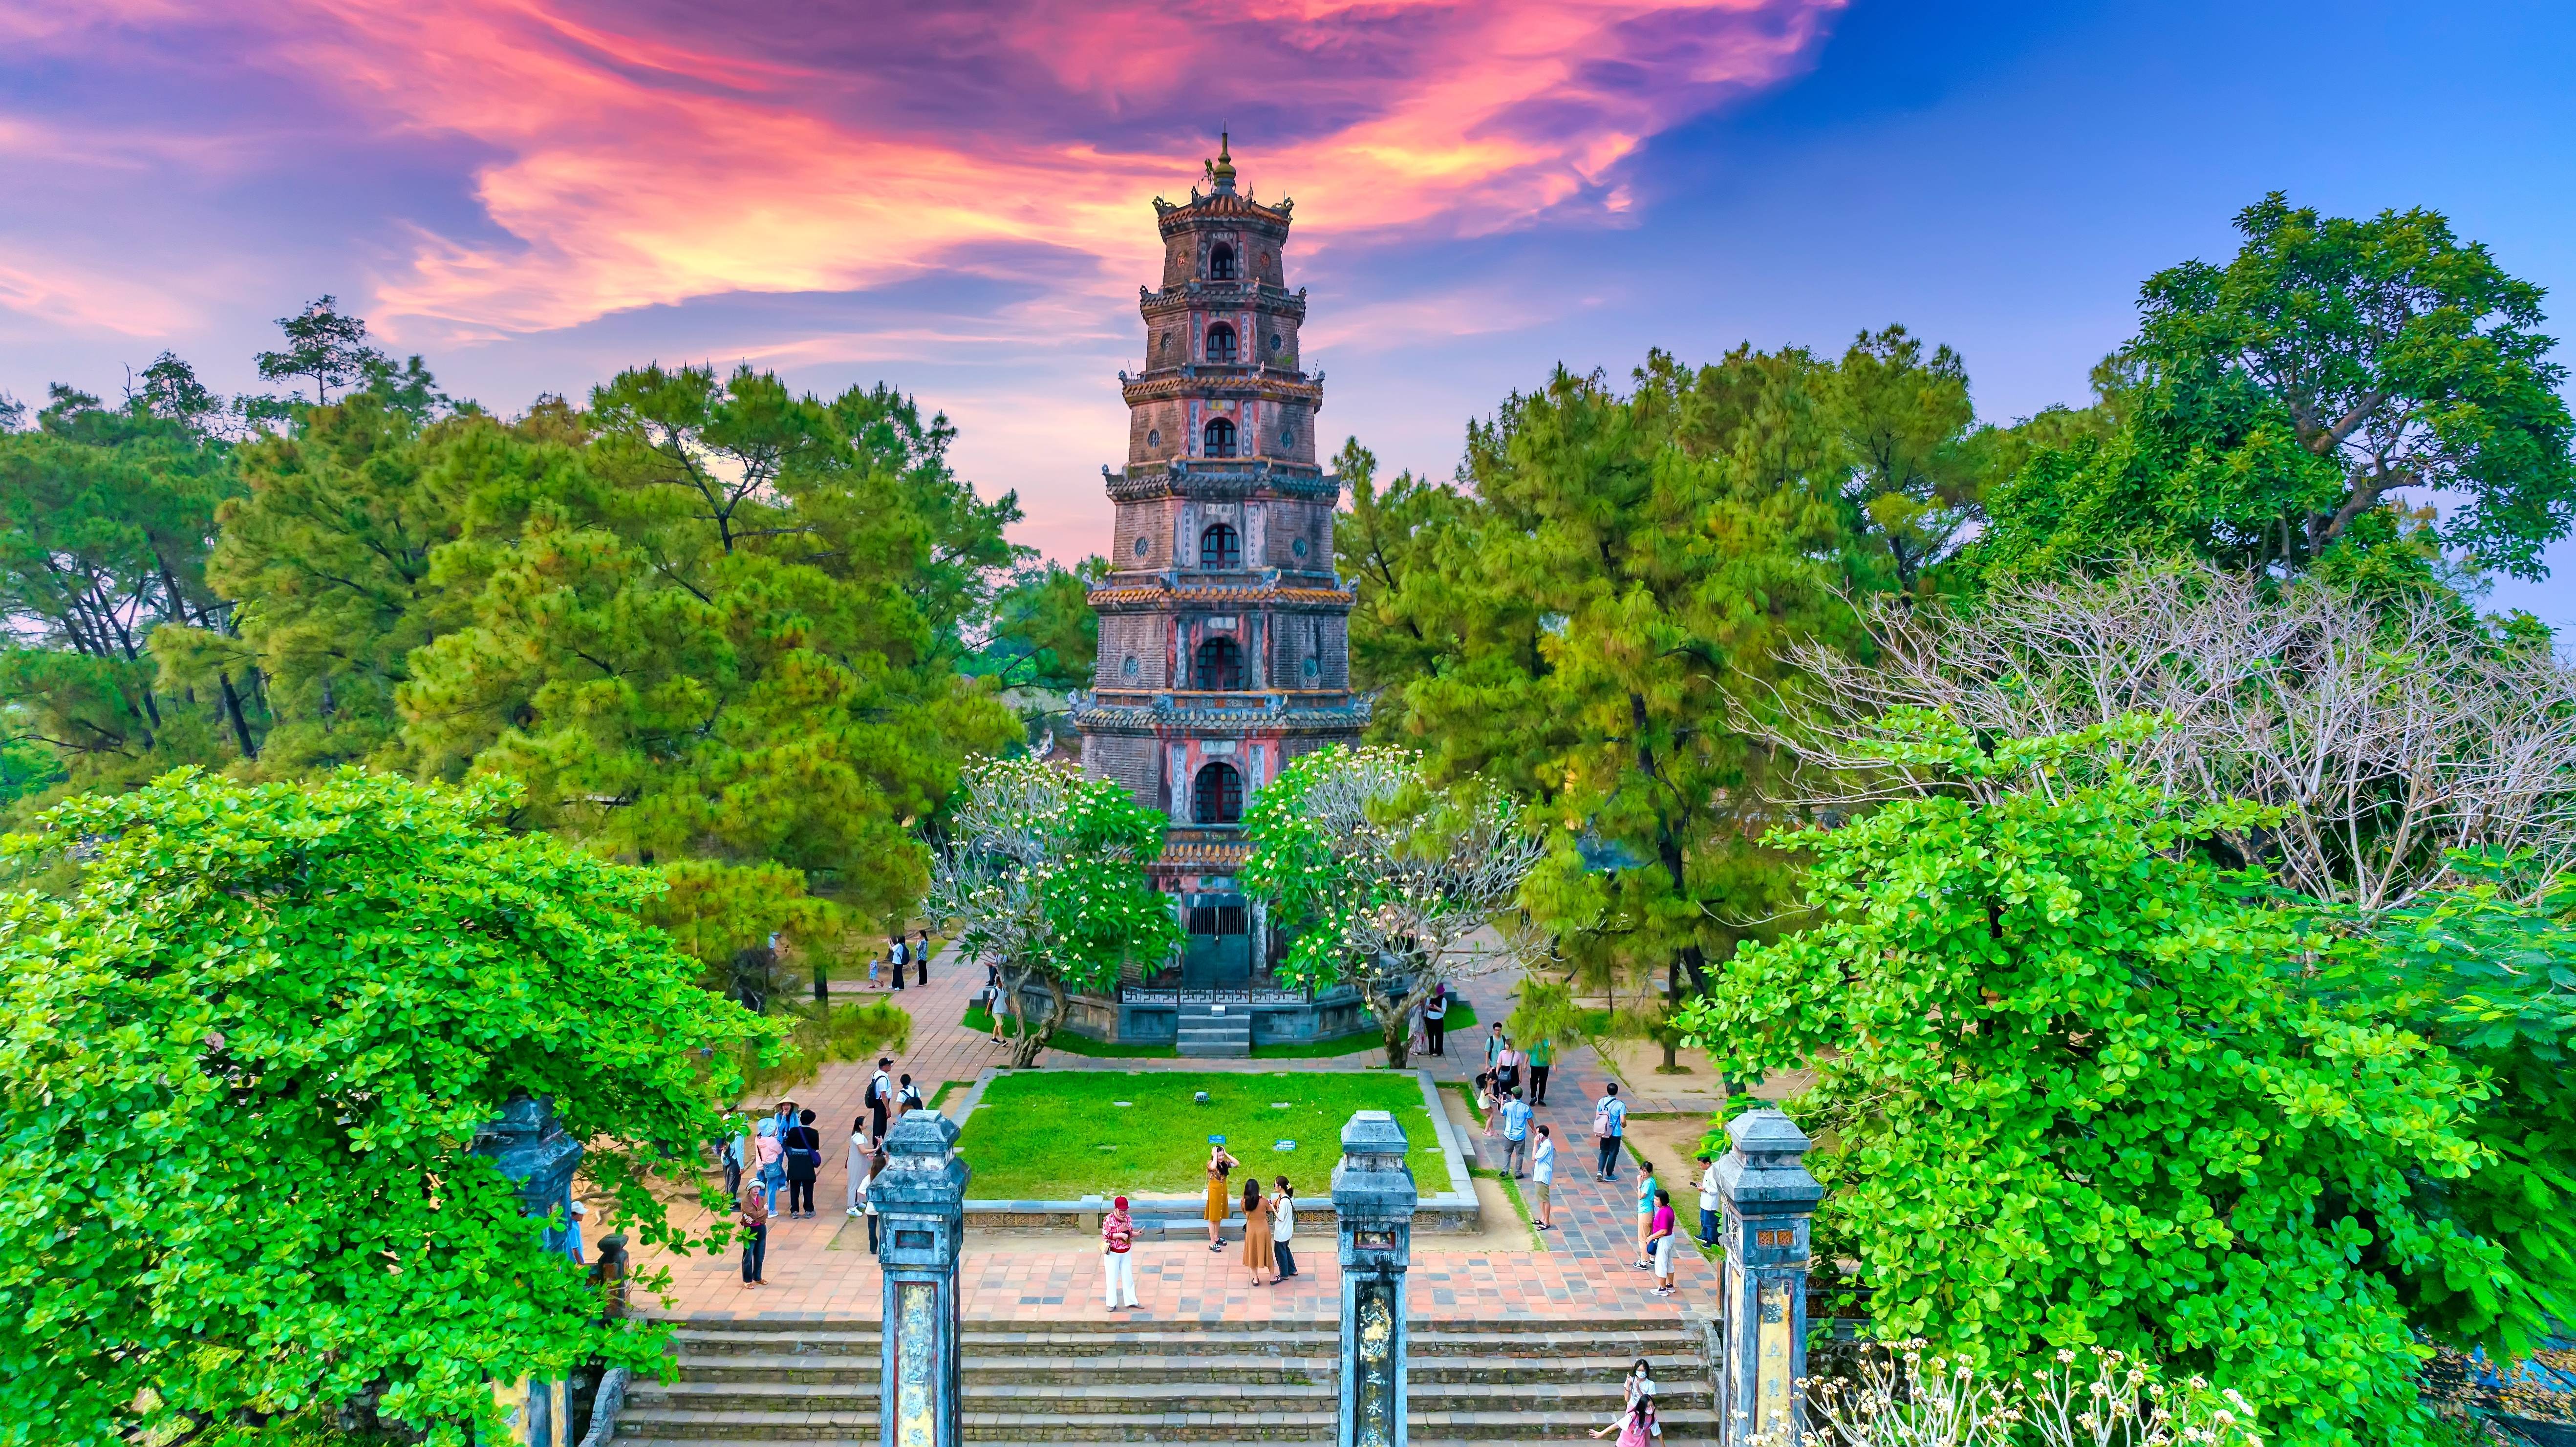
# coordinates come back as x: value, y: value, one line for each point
x: 1333, y: 1016
x: 1444, y: 1208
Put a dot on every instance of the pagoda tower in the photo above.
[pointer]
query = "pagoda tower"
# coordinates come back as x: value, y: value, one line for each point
x: 1224, y: 630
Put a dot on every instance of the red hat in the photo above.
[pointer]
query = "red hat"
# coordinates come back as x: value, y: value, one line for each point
x: 1120, y: 1203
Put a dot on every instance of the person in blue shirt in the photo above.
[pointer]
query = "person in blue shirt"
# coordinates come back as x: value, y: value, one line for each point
x: 1516, y: 1121
x: 1609, y: 1123
x: 1645, y: 1214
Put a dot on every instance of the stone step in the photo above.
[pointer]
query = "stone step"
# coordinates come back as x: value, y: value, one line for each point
x: 1139, y: 1366
x: 1105, y: 1367
x: 1309, y: 1419
x: 752, y: 1398
x: 1601, y: 1400
x: 1447, y: 1436
x: 1654, y: 1346
x: 1113, y: 1326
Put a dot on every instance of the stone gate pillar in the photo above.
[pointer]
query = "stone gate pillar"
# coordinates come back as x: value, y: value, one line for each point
x: 531, y: 1149
x: 1373, y: 1197
x: 1767, y: 1195
x: 921, y: 1214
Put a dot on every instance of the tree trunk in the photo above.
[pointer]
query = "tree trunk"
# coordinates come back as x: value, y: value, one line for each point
x: 1672, y: 1002
x: 233, y: 711
x: 1396, y: 1028
x: 1026, y: 1045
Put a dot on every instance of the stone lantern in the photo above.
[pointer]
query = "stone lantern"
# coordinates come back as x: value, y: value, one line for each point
x: 532, y: 1150
x: 920, y: 1200
x: 1374, y: 1196
x: 1768, y: 1197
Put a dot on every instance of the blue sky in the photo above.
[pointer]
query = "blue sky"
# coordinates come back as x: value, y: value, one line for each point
x: 536, y: 196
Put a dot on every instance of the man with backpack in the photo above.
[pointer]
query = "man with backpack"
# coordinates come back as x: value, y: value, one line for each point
x: 804, y: 1150
x: 1609, y: 1123
x: 880, y: 1098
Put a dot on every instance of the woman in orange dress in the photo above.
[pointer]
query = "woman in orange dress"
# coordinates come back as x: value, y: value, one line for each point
x: 1257, y: 1249
x: 1218, y: 1164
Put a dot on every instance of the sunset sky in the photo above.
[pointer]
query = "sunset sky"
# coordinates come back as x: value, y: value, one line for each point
x: 953, y: 197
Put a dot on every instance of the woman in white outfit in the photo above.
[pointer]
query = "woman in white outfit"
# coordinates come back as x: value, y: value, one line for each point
x: 859, y: 1167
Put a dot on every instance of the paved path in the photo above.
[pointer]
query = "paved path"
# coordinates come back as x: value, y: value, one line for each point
x: 817, y: 1268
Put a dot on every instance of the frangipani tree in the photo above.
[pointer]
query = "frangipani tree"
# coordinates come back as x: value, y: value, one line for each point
x: 1043, y: 874
x: 1385, y: 877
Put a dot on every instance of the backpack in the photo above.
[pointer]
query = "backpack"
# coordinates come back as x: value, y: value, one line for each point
x: 1601, y: 1120
x: 876, y: 1092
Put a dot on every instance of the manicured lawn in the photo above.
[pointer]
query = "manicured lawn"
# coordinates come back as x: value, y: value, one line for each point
x: 1059, y: 1135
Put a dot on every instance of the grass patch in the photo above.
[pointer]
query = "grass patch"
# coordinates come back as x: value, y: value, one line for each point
x: 1367, y: 1042
x: 1059, y: 1136
x: 946, y: 1088
x: 980, y: 1020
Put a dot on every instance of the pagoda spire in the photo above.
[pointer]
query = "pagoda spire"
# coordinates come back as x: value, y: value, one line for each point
x: 1221, y: 170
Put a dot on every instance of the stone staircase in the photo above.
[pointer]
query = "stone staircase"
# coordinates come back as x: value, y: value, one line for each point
x: 1110, y: 1381
x: 1216, y: 1030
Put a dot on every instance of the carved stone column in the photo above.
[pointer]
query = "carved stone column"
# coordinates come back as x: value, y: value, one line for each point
x: 1374, y: 1196
x: 1767, y: 1195
x: 921, y: 1215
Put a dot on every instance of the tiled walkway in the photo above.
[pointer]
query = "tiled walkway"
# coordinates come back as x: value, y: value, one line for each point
x: 817, y: 1268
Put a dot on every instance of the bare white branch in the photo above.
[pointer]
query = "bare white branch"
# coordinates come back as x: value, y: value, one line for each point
x: 2387, y: 733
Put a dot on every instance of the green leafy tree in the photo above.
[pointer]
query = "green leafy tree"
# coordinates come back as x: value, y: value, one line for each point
x: 2078, y: 1095
x: 955, y: 583
x: 1581, y: 629
x: 1041, y: 631
x: 323, y: 347
x: 1386, y: 546
x: 106, y: 516
x: 1906, y: 423
x: 170, y: 391
x: 697, y: 638
x: 244, y: 1051
x: 329, y: 551
x: 1042, y: 872
x: 2490, y: 972
x: 1382, y: 878
x: 2279, y: 410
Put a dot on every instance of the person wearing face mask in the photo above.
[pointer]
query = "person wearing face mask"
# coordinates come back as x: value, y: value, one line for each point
x: 1117, y: 1239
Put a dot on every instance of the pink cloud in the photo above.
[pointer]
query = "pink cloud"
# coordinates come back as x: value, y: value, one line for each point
x: 629, y: 154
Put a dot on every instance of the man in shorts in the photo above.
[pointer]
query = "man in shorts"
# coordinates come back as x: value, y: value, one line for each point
x: 1543, y: 1173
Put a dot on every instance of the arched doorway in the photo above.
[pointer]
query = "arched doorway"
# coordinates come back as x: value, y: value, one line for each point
x: 1216, y: 796
x: 1220, y: 666
x: 1220, y: 547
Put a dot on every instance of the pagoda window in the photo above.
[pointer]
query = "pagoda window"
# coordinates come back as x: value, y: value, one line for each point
x: 1220, y: 664
x: 1221, y: 263
x: 1216, y: 797
x: 1220, y: 547
x: 1220, y: 343
x: 1219, y: 438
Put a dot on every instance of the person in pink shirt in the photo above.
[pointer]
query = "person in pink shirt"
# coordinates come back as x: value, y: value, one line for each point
x: 1659, y: 1242
x: 1117, y: 1237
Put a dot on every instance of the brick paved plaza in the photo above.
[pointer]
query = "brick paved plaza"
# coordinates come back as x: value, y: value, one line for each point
x: 821, y: 1267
